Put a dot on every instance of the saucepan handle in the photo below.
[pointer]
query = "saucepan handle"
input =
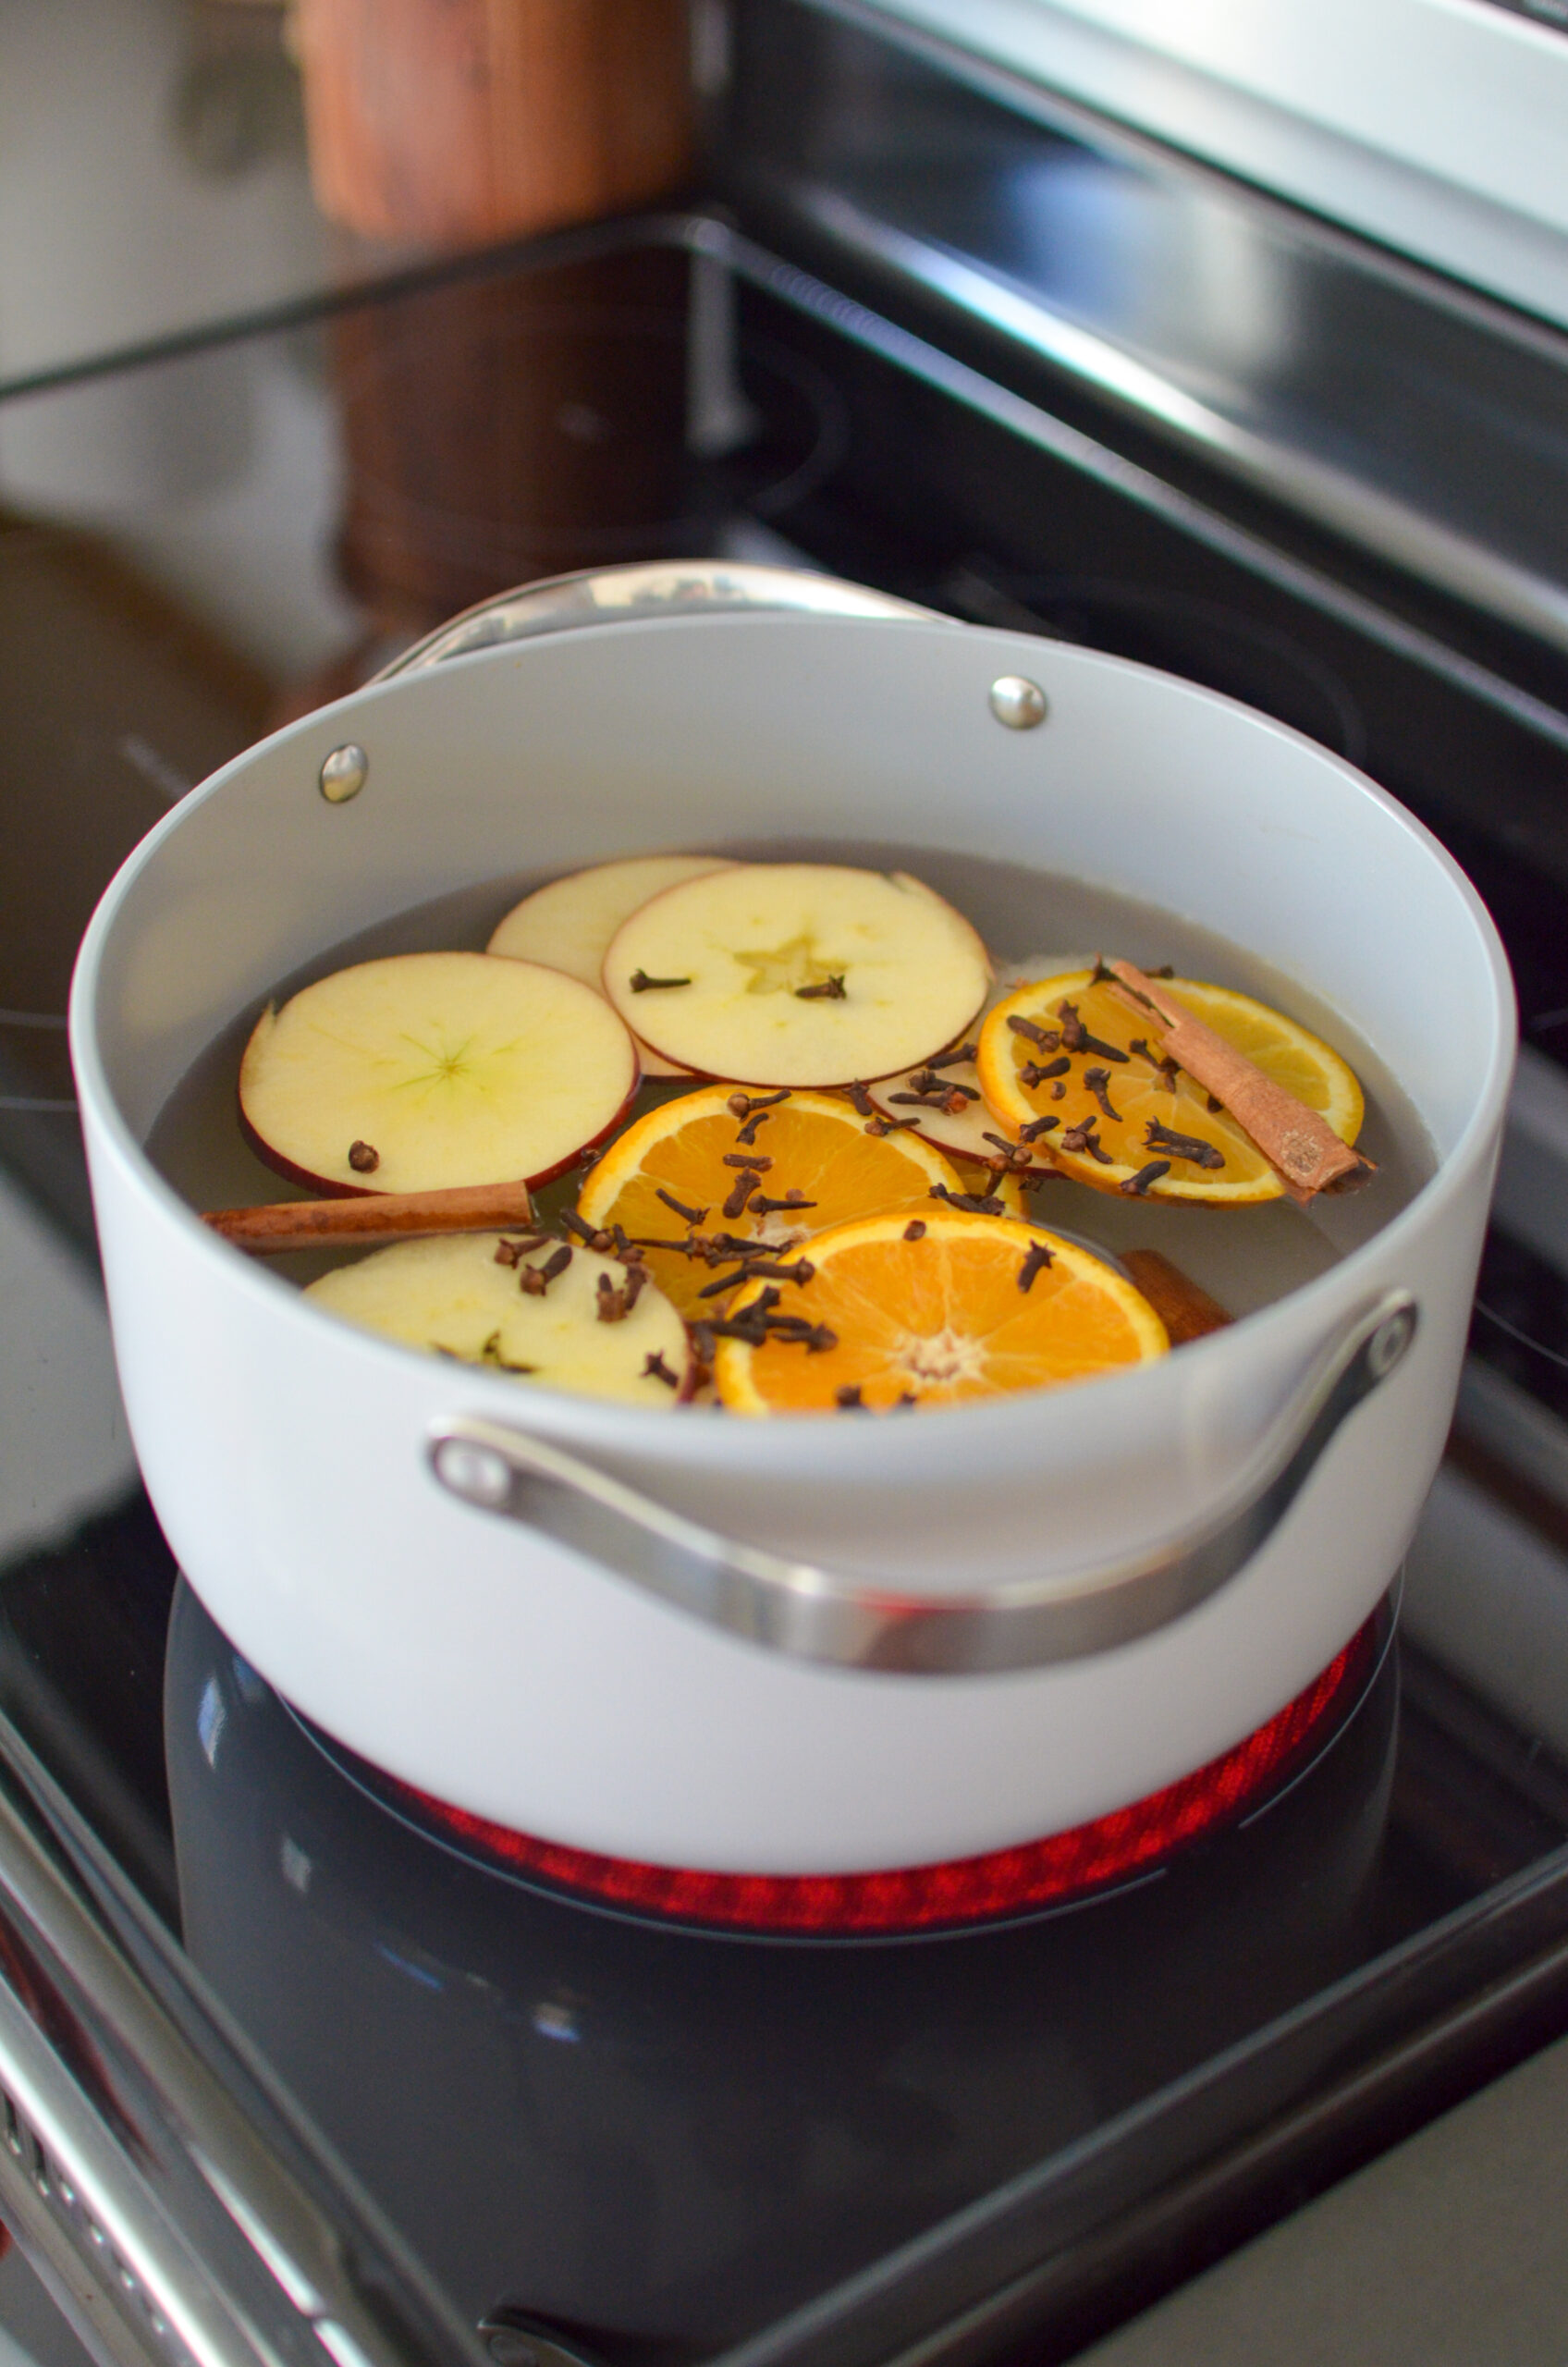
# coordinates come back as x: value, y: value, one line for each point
x: 811, y: 1613
x: 610, y: 595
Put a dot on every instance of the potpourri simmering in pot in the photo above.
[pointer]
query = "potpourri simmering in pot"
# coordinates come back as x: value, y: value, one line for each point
x: 837, y: 1196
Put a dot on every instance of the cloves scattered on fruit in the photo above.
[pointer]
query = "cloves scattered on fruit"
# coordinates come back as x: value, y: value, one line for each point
x: 363, y: 1157
x: 1136, y: 1186
x: 642, y: 984
x: 693, y: 1216
x: 1036, y: 1258
x: 825, y: 990
x: 1193, y: 1147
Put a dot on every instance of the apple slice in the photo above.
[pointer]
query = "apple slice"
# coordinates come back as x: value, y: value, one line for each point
x: 568, y: 923
x: 797, y: 974
x: 425, y: 1071
x: 464, y: 1297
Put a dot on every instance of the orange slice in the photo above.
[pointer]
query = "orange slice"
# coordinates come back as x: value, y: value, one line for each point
x: 938, y: 1319
x: 815, y: 1145
x: 1140, y: 1094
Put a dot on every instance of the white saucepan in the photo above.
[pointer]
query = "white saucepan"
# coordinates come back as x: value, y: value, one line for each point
x: 813, y: 1644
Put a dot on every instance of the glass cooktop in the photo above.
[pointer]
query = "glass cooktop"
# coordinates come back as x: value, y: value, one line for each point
x: 577, y: 2133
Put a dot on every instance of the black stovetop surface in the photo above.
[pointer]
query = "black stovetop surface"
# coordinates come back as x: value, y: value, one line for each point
x: 657, y: 2143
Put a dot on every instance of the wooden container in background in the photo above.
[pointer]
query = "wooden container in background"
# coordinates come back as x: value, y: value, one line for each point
x: 457, y: 122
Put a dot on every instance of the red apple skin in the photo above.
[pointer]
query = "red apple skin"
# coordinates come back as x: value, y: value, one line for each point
x: 329, y: 1188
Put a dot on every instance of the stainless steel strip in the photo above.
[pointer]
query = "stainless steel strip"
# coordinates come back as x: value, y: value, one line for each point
x: 169, y: 2189
x: 815, y: 1614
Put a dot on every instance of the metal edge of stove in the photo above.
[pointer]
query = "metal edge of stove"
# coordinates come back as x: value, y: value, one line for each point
x: 181, y: 2210
x: 1255, y: 438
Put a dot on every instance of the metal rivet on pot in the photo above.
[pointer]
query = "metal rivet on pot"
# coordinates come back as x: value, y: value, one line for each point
x: 1018, y: 701
x: 1389, y: 1342
x: 476, y: 1473
x: 343, y: 773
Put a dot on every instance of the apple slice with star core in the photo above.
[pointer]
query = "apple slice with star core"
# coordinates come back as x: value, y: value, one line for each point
x: 427, y: 1070
x: 802, y: 973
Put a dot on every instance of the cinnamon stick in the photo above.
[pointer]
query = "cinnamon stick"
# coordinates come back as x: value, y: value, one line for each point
x: 373, y: 1216
x: 1303, y: 1147
x: 1186, y: 1311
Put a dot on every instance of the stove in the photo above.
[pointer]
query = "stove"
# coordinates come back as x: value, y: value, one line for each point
x: 294, y: 2061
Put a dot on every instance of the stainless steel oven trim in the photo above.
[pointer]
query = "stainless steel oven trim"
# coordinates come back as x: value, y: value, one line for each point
x: 181, y: 2210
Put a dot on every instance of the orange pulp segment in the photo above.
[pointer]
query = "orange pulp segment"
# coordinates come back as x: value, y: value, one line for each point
x: 938, y: 1319
x: 1139, y: 1094
x: 814, y: 1144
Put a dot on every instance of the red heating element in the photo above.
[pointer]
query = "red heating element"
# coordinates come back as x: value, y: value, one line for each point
x: 1003, y: 1884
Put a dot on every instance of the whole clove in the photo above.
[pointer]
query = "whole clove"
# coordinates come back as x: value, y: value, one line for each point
x: 748, y: 1159
x: 825, y: 990
x: 611, y: 1302
x: 925, y: 1080
x: 536, y: 1279
x: 1049, y: 1038
x: 655, y: 1368
x: 1014, y: 1155
x: 363, y: 1157
x: 916, y: 1229
x: 1136, y: 1186
x: 512, y: 1252
x: 1098, y: 1083
x: 1077, y: 1039
x: 1036, y: 1258
x: 889, y: 1125
x: 864, y: 1104
x: 849, y: 1399
x: 742, y: 1105
x: 746, y: 1182
x: 1035, y: 1072
x: 1193, y: 1147
x: 762, y: 1205
x: 954, y: 1059
x: 693, y: 1216
x: 1036, y: 1127
x: 592, y: 1236
x: 748, y: 1133
x: 642, y: 984
x: 974, y: 1204
x: 1085, y: 1137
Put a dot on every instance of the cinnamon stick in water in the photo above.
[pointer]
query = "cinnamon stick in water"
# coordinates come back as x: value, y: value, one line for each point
x: 373, y: 1216
x: 1186, y: 1311
x: 1302, y: 1146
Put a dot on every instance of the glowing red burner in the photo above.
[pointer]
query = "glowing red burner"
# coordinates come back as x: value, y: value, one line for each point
x: 1005, y: 1882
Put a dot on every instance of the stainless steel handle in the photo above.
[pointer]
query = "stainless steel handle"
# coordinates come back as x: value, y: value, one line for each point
x: 816, y: 1614
x: 609, y: 595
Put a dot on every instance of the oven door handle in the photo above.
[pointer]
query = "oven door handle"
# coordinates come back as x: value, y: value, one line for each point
x: 810, y: 1613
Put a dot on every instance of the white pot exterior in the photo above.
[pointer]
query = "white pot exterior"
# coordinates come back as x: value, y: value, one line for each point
x: 286, y: 1452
